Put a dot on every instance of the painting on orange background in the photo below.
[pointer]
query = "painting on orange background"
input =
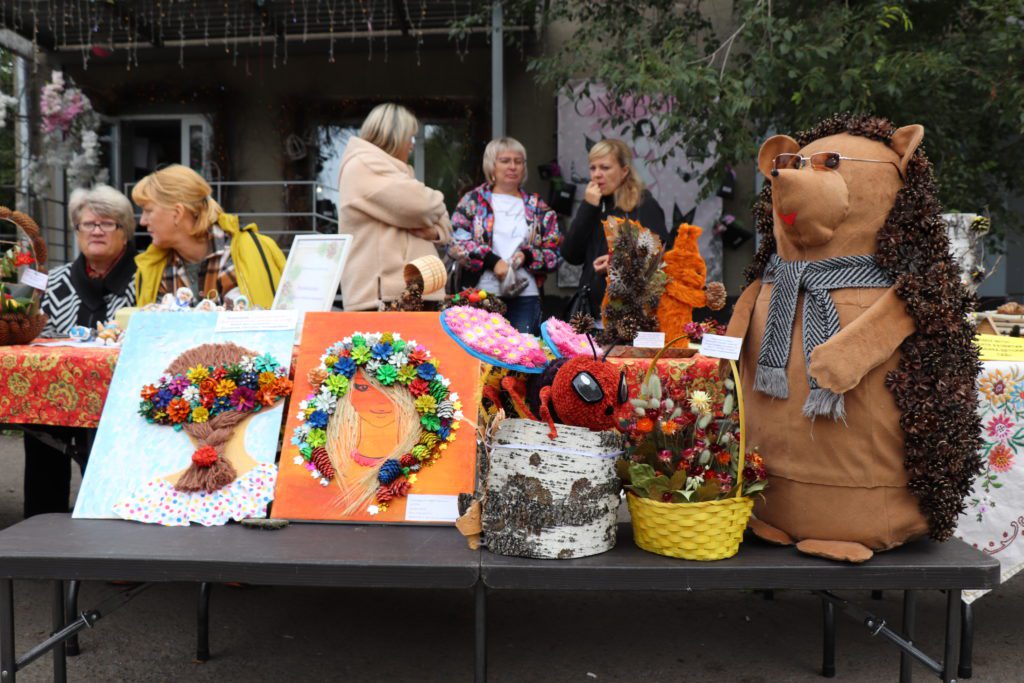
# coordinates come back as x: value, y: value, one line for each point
x: 381, y: 424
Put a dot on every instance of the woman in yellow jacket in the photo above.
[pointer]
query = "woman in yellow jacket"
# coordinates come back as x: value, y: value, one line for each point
x: 199, y: 246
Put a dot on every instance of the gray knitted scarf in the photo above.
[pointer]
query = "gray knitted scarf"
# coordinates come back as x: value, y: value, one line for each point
x: 820, y: 320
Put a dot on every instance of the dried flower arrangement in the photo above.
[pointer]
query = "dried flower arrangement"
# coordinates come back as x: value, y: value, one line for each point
x: 683, y: 443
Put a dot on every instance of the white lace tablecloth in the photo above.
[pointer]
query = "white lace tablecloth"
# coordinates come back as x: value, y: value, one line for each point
x: 994, y: 520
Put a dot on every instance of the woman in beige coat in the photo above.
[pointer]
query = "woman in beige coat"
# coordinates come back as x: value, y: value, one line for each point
x: 392, y: 217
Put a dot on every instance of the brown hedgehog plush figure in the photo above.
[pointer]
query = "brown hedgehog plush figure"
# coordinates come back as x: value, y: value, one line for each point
x: 858, y: 365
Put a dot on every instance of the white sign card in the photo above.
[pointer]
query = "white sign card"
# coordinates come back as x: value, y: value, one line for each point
x: 249, y: 321
x: 431, y: 508
x: 649, y: 340
x: 34, y: 279
x: 717, y: 346
x: 312, y: 273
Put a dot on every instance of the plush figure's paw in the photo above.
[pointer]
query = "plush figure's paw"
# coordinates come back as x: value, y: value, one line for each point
x: 843, y: 551
x: 833, y: 369
x: 766, y: 532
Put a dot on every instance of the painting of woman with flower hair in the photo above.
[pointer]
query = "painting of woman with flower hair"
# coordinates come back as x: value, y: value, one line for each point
x: 191, y: 426
x: 210, y: 392
x: 379, y: 429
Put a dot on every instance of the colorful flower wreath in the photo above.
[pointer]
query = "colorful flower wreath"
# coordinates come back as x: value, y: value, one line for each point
x: 391, y: 361
x: 206, y: 391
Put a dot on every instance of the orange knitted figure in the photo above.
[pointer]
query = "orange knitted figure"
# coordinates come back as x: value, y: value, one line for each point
x: 685, y: 289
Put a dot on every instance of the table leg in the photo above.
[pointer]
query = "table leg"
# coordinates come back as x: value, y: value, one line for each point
x: 952, y: 624
x: 966, y: 670
x: 909, y: 626
x: 480, y: 640
x: 8, y: 668
x: 203, y: 624
x: 828, y: 650
x: 60, y: 663
x: 71, y: 648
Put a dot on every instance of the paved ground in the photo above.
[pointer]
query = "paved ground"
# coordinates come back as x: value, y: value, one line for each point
x: 277, y: 634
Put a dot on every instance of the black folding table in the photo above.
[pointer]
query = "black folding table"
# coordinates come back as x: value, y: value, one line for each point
x: 58, y: 548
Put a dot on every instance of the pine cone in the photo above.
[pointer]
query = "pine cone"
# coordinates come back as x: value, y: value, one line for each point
x: 316, y: 377
x: 399, y: 487
x: 582, y: 323
x: 384, y: 494
x: 322, y: 460
x: 408, y: 460
x: 389, y: 471
x: 716, y: 295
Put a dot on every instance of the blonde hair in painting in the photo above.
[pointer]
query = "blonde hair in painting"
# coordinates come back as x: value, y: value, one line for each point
x: 344, y: 431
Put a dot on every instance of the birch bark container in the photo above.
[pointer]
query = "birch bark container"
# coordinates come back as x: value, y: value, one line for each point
x: 551, y: 498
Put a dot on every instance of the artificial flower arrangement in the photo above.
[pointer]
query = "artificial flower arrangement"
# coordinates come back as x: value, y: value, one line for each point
x: 684, y: 452
x: 477, y: 298
x: 695, y: 331
x: 16, y: 256
x: 490, y: 336
x: 392, y: 362
x: 20, y: 319
x: 683, y: 445
x: 206, y: 391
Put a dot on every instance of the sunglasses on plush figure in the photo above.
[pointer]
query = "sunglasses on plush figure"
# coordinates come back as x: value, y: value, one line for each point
x: 823, y: 161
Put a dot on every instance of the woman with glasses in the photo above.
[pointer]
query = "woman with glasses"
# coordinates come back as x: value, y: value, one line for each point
x: 392, y: 217
x: 505, y: 239
x: 87, y: 291
x: 100, y: 281
x: 198, y: 245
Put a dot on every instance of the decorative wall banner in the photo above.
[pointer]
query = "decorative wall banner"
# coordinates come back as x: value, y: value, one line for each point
x: 674, y: 182
x: 185, y: 403
x: 381, y: 424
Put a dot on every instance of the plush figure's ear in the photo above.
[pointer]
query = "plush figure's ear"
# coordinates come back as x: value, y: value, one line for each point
x: 905, y: 141
x: 772, y: 147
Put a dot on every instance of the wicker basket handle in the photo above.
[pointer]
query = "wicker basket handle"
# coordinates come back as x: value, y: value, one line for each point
x: 31, y: 230
x: 739, y: 404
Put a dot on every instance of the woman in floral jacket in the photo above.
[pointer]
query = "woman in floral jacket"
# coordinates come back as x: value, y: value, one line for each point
x: 505, y: 238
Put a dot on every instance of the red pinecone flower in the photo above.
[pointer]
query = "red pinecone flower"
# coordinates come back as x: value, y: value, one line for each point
x: 408, y: 460
x: 322, y: 462
x: 205, y: 456
x: 399, y: 487
x: 384, y: 494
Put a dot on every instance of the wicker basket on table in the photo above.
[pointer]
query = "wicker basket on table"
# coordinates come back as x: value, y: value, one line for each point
x: 708, y: 530
x: 20, y: 326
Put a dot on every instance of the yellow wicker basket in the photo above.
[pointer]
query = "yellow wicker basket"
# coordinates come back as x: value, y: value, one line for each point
x: 711, y: 530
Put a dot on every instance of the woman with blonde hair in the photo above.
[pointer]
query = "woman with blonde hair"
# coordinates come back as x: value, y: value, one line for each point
x: 500, y: 228
x: 197, y: 245
x: 392, y: 217
x: 615, y: 189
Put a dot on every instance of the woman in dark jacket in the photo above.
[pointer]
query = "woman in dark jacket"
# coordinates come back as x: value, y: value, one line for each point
x: 615, y: 189
x: 87, y: 291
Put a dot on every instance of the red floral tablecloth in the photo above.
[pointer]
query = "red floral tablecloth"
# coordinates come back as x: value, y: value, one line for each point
x: 54, y: 385
x: 994, y: 520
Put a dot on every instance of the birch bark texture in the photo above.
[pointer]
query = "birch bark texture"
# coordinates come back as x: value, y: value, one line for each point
x: 551, y: 498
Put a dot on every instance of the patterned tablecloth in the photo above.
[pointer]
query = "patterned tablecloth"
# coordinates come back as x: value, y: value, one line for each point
x: 994, y: 520
x: 54, y: 385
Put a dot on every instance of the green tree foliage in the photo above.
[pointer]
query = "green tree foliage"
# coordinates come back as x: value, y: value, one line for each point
x: 728, y: 80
